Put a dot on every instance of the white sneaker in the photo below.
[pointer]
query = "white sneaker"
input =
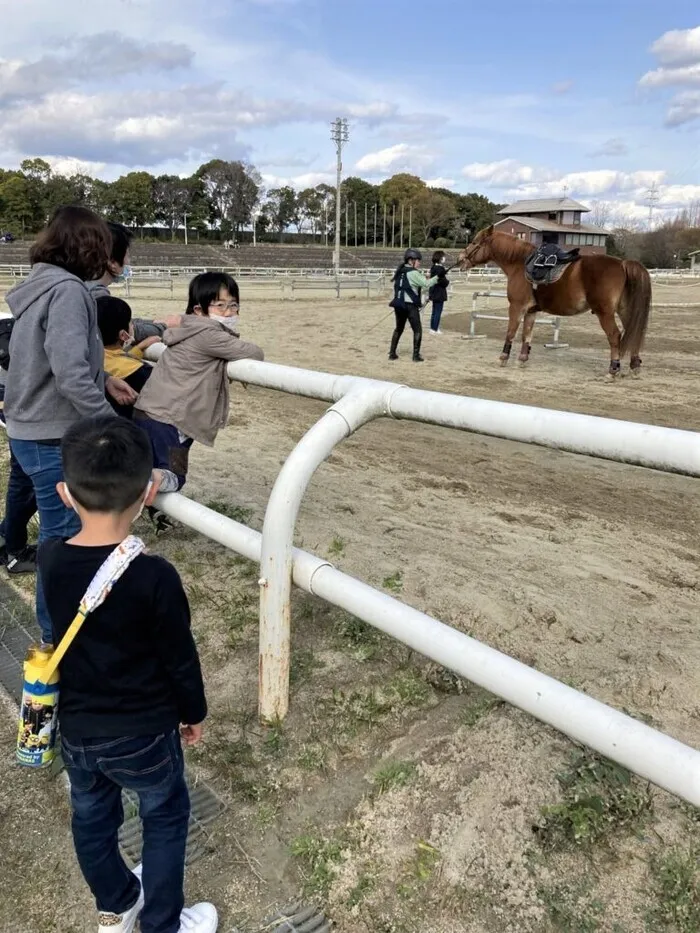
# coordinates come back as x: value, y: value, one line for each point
x: 122, y: 923
x: 434, y: 332
x: 202, y: 918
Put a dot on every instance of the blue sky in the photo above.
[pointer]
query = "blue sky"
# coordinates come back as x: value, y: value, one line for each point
x: 512, y: 99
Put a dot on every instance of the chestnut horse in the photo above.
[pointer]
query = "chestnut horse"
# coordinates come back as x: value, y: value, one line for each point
x: 601, y: 284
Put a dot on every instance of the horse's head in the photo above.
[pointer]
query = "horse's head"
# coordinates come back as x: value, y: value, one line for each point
x: 478, y: 251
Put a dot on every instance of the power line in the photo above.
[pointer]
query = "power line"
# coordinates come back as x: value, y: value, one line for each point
x: 340, y: 135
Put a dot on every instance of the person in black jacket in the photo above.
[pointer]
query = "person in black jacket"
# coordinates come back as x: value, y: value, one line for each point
x: 131, y: 684
x: 438, y: 293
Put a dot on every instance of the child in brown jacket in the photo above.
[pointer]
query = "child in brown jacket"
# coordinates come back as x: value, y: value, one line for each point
x: 186, y: 398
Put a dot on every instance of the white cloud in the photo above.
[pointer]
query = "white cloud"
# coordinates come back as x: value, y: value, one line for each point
x: 667, y: 77
x: 678, y: 47
x: 504, y: 173
x: 590, y: 184
x: 402, y: 157
x: 684, y: 108
x: 70, y: 167
x: 626, y: 193
x: 678, y: 53
x: 80, y: 59
x: 440, y: 182
x: 298, y: 182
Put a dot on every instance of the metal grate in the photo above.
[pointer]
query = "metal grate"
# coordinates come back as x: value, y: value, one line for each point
x: 206, y: 808
x: 18, y: 630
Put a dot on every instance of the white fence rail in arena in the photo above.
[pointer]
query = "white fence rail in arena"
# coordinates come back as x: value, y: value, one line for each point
x: 357, y: 401
x: 476, y: 315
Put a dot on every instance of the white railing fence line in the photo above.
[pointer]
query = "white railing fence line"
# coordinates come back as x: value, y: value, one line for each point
x: 358, y: 401
x: 648, y: 752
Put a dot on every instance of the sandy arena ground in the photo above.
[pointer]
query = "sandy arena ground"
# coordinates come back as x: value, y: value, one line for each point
x: 584, y: 569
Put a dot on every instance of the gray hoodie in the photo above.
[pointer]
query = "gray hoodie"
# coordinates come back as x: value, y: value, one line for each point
x: 56, y: 374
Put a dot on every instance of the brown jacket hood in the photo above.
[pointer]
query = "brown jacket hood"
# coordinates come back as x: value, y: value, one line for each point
x: 189, y: 387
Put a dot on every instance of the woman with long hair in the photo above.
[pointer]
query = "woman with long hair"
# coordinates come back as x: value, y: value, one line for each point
x: 56, y: 375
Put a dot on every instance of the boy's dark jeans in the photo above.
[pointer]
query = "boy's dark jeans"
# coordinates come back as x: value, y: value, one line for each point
x: 20, y: 507
x: 153, y: 767
x: 436, y: 315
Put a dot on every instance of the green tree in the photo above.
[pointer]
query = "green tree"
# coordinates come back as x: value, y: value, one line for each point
x: 309, y: 207
x: 434, y: 214
x: 356, y: 193
x: 232, y: 189
x: 401, y: 189
x: 173, y: 197
x: 130, y: 199
x: 476, y: 211
x: 37, y: 172
x: 16, y: 207
x: 281, y: 208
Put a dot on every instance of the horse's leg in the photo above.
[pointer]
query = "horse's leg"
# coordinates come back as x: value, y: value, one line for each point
x: 612, y: 332
x: 513, y: 323
x: 528, y: 327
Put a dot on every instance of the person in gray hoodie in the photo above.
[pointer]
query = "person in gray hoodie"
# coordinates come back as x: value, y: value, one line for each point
x: 56, y: 374
x: 117, y: 269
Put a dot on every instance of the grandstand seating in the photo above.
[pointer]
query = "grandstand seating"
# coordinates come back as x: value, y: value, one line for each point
x: 214, y: 256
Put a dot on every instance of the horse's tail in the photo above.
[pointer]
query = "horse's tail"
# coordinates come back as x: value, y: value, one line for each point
x: 634, y: 307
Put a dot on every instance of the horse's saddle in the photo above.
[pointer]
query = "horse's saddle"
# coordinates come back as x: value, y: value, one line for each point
x: 548, y: 263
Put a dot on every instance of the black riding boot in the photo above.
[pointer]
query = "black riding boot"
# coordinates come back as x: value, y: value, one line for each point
x: 417, y: 338
x: 393, y: 355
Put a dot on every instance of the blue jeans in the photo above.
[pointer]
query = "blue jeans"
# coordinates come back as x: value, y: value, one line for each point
x: 436, y: 315
x: 153, y: 767
x: 20, y: 507
x: 170, y: 451
x: 43, y: 465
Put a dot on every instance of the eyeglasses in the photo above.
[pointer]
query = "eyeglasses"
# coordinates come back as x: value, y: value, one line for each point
x: 224, y: 305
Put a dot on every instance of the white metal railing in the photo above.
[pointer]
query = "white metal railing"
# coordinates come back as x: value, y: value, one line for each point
x: 476, y: 315
x: 650, y: 753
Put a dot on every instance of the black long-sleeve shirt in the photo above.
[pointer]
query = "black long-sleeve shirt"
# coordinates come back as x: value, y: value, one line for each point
x: 133, y: 667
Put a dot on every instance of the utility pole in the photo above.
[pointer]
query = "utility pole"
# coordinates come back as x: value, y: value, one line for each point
x: 347, y: 222
x: 393, y: 225
x: 340, y: 136
x: 410, y: 225
x: 384, y: 228
x: 355, y: 207
x: 374, y: 239
x: 401, y: 244
x: 185, y: 228
x: 255, y: 224
x: 365, y: 223
x: 653, y: 197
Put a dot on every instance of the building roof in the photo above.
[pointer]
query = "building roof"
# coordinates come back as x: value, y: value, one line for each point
x: 548, y: 226
x: 543, y: 205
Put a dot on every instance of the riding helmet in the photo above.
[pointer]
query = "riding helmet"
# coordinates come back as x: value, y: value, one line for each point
x: 412, y: 254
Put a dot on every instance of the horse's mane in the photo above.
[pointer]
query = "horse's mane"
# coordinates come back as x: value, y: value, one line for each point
x: 507, y: 248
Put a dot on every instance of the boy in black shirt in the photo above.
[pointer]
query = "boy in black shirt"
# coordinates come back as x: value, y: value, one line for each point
x: 129, y: 681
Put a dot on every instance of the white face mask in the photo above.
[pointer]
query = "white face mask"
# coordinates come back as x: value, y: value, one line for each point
x: 134, y: 519
x: 230, y: 323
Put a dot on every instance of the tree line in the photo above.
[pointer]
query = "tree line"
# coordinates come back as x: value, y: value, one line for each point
x: 224, y: 199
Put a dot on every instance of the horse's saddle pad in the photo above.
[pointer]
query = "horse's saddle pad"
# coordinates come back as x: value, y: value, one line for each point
x: 548, y: 263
